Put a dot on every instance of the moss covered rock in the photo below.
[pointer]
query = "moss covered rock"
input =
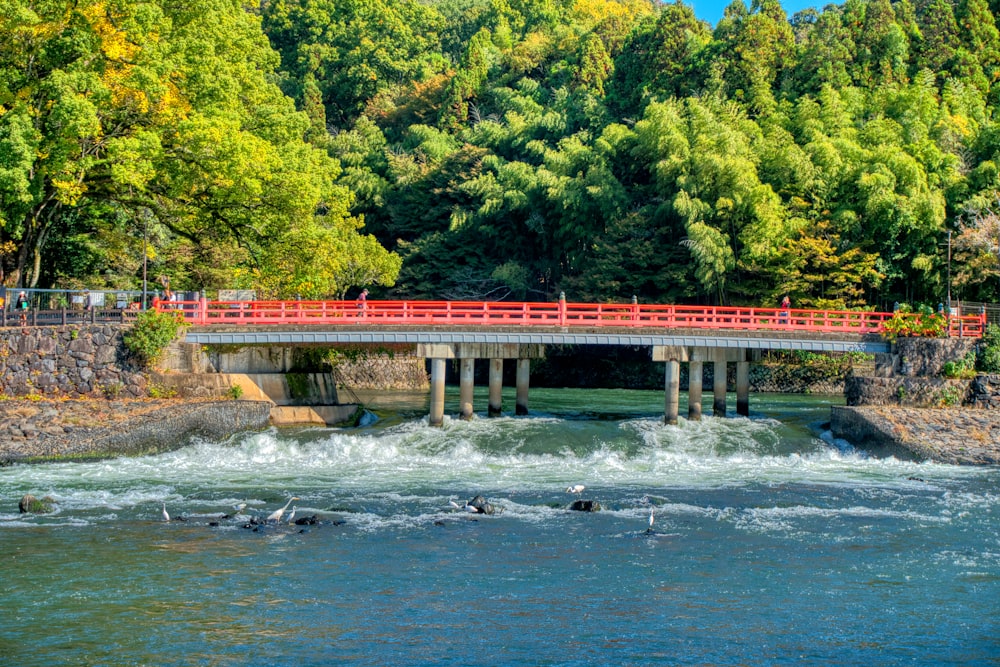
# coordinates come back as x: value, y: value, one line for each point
x: 32, y: 505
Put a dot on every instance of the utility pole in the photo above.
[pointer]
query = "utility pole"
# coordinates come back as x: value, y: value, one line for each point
x: 949, y: 272
x: 145, y: 254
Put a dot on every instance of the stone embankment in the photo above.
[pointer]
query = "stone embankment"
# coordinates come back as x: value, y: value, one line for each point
x: 908, y: 410
x: 956, y: 436
x: 73, y: 392
x: 74, y: 429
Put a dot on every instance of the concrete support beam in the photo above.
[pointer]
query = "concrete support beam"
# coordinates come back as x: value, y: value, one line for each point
x: 743, y: 388
x: 672, y: 386
x: 465, y: 387
x: 521, y: 396
x: 480, y: 351
x: 696, y: 376
x: 668, y: 352
x: 436, y: 417
x: 719, y: 384
x: 496, y: 387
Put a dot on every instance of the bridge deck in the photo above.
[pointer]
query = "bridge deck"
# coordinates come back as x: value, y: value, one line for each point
x: 384, y: 335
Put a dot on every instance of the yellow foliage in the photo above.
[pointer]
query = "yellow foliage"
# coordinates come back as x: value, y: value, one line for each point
x: 961, y: 125
x: 593, y: 12
x: 68, y: 191
x: 114, y: 42
x: 172, y: 105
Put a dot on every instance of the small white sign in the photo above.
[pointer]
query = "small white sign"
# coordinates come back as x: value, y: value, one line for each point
x: 237, y: 295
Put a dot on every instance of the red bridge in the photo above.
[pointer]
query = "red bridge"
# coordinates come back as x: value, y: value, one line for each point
x: 494, y: 331
x: 547, y: 314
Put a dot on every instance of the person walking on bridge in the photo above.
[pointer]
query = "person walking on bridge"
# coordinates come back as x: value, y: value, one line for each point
x: 786, y: 307
x: 363, y: 301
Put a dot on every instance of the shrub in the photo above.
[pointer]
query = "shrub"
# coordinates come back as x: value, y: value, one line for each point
x: 904, y: 322
x: 949, y: 397
x: 963, y: 369
x: 988, y: 359
x: 235, y: 392
x: 160, y: 391
x: 151, y: 334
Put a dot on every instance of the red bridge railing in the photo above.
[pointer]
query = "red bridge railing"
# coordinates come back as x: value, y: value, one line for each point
x: 548, y: 314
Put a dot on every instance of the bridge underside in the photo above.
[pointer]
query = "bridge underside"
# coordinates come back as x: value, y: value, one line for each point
x: 492, y: 344
x: 730, y: 339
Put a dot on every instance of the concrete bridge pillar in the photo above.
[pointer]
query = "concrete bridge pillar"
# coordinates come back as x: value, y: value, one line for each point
x: 465, y: 387
x: 521, y: 397
x: 437, y: 392
x: 438, y: 353
x: 672, y: 385
x: 496, y: 387
x: 719, y: 383
x: 673, y: 355
x: 743, y: 386
x: 696, y: 378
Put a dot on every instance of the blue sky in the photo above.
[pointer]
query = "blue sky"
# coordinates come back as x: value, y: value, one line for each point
x: 711, y: 10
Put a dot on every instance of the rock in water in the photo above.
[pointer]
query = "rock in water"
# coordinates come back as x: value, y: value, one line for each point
x: 585, y: 506
x: 481, y: 505
x: 32, y: 505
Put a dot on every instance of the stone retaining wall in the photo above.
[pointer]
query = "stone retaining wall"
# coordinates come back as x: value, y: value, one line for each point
x: 985, y: 392
x: 376, y: 371
x: 796, y: 379
x: 907, y: 392
x: 926, y: 357
x: 74, y: 361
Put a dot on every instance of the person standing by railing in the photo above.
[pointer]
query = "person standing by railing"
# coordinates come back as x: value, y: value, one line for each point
x: 786, y: 307
x: 363, y: 302
x: 22, y: 304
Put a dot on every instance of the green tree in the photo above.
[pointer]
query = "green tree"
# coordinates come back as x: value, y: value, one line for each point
x: 659, y: 58
x: 159, y: 113
x: 355, y: 49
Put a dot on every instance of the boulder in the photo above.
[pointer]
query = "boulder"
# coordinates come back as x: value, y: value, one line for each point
x: 481, y: 505
x: 585, y: 506
x: 32, y: 505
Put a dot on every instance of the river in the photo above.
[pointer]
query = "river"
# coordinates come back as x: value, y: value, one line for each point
x: 771, y: 544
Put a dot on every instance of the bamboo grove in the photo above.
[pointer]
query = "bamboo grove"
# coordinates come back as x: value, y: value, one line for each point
x: 490, y: 149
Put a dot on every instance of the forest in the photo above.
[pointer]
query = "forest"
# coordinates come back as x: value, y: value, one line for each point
x: 504, y: 149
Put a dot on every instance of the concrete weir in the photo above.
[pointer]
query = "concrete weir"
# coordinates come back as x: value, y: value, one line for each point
x: 256, y: 374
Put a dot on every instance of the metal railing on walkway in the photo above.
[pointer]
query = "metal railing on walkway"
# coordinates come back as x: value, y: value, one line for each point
x: 35, y: 317
x: 547, y: 314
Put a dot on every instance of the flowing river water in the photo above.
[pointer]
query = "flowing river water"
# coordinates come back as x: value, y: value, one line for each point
x: 772, y: 544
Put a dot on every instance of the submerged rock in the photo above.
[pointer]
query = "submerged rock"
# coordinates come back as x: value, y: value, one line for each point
x: 585, y: 506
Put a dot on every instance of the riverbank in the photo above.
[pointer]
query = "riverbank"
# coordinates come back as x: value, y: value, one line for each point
x: 45, y: 430
x: 959, y: 436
